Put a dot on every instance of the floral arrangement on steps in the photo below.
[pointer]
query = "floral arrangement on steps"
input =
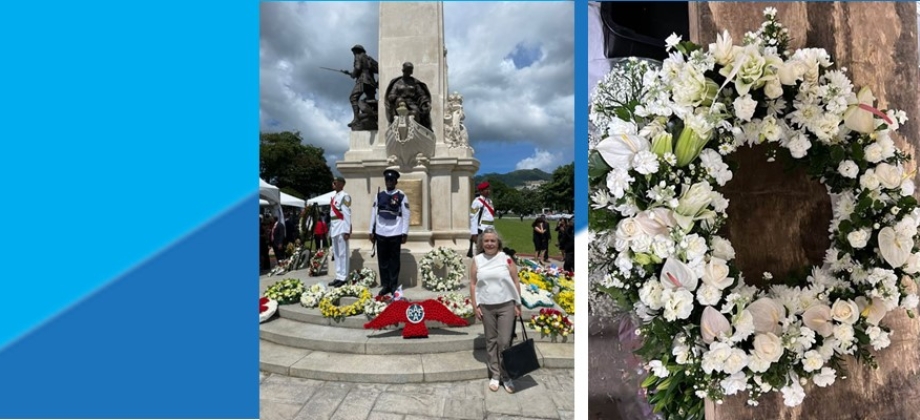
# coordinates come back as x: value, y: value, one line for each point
x: 286, y: 291
x: 317, y: 261
x: 528, y: 277
x: 552, y: 323
x: 566, y: 300
x: 375, y: 306
x: 534, y: 297
x: 458, y: 303
x: 442, y: 258
x: 364, y: 277
x: 654, y: 176
x: 267, y: 308
x: 328, y: 305
x: 311, y: 297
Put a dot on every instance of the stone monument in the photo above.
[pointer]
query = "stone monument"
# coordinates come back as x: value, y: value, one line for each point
x: 436, y: 169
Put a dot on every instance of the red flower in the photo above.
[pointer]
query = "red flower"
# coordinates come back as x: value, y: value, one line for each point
x: 262, y: 308
x: 509, y: 261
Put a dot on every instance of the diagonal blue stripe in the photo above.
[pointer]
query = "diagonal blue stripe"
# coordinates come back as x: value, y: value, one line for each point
x: 176, y: 337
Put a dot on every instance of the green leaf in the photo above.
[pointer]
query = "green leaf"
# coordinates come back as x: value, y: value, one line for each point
x: 837, y: 155
x: 597, y: 167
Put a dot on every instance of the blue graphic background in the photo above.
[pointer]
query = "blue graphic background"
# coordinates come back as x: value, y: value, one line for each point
x: 130, y: 159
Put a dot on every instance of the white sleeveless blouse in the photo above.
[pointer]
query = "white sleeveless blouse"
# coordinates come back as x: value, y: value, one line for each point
x: 493, y: 283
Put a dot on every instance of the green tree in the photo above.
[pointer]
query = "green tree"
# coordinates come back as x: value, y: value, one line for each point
x: 297, y: 168
x: 559, y: 192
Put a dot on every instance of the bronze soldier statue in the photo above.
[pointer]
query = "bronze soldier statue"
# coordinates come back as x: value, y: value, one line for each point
x: 365, y: 110
x: 413, y: 93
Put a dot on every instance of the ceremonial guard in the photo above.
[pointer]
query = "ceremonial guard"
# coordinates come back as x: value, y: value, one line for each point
x: 482, y: 214
x: 340, y: 230
x: 389, y: 230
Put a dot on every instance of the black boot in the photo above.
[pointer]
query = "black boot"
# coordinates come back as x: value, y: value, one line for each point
x: 354, y: 120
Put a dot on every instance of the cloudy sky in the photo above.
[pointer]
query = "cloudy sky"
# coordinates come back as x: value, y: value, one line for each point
x: 513, y: 62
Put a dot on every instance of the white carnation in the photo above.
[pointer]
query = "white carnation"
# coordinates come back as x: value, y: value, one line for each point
x: 858, y: 238
x: 678, y: 304
x: 744, y: 107
x: 825, y: 378
x: 645, y: 162
x: 812, y: 361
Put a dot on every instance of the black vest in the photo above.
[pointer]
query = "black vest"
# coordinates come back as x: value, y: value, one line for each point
x: 389, y: 206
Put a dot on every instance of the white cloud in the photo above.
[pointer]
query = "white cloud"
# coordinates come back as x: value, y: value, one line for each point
x: 541, y: 159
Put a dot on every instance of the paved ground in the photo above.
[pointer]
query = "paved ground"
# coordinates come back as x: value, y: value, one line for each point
x: 544, y: 394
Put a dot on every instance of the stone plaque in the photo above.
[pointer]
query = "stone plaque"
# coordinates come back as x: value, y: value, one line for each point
x: 413, y: 190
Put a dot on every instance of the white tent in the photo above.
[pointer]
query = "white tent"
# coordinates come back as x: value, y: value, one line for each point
x: 322, y: 200
x: 290, y: 200
x: 269, y: 192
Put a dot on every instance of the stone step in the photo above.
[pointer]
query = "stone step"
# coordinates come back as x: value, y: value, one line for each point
x: 389, y: 341
x: 394, y: 368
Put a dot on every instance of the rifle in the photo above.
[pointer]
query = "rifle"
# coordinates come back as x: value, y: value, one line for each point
x: 336, y: 70
x: 374, y: 228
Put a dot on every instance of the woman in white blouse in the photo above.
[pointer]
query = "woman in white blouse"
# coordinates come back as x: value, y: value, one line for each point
x: 496, y: 294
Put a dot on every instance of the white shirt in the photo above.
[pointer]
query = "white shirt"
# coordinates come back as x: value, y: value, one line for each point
x: 341, y: 201
x: 494, y: 284
x: 391, y: 227
x: 488, y: 215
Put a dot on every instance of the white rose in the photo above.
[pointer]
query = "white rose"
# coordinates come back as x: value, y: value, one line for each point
x: 715, y: 273
x: 722, y: 248
x: 869, y: 180
x: 848, y: 169
x: 888, y: 175
x: 913, y: 264
x: 768, y: 347
x: 744, y: 107
x: 858, y: 238
x: 628, y: 229
x: 845, y: 311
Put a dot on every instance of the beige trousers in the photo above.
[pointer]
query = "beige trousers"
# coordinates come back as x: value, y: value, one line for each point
x: 498, y: 322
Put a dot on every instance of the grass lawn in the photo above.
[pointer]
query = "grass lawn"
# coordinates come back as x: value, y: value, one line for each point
x: 518, y: 236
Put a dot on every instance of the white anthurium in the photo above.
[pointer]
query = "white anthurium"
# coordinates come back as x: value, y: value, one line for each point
x: 677, y: 275
x: 873, y: 310
x: 767, y: 314
x: 713, y: 324
x: 619, y: 149
x: 818, y: 319
x: 857, y: 117
x: 895, y: 247
x: 656, y: 221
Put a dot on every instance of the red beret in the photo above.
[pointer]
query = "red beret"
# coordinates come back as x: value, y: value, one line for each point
x: 484, y: 185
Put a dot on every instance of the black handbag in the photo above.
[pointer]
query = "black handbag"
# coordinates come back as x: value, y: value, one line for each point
x: 521, y: 358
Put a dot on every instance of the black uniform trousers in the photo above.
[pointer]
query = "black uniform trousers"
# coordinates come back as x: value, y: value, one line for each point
x: 388, y: 248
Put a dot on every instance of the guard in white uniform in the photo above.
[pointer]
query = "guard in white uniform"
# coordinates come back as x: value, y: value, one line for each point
x: 340, y: 230
x: 482, y: 214
x: 389, y: 230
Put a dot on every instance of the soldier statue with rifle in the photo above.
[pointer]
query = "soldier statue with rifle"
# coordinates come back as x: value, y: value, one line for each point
x: 364, y: 109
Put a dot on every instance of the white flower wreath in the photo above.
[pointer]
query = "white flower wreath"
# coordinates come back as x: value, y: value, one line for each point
x: 439, y: 258
x: 458, y: 303
x: 311, y: 297
x: 654, y: 169
x: 366, y: 277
